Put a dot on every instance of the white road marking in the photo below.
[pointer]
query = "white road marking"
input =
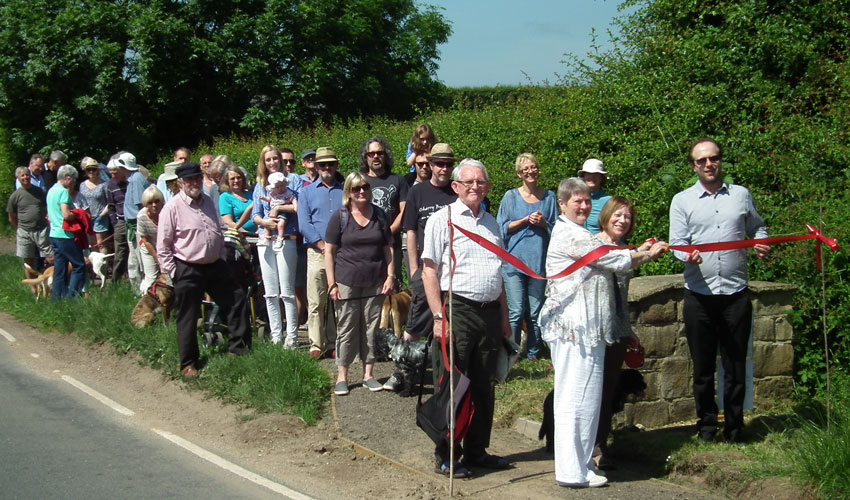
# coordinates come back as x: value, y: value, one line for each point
x: 98, y: 396
x: 8, y: 336
x: 35, y: 355
x: 231, y: 467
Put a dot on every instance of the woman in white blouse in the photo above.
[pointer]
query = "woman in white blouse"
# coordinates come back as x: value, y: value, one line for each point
x: 575, y: 320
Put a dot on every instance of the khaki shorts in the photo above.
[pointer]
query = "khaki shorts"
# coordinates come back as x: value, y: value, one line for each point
x: 29, y: 244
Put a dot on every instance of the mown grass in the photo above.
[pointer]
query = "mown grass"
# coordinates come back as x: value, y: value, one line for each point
x: 267, y: 380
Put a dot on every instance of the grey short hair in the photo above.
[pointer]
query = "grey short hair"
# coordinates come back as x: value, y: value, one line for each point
x: 20, y: 170
x: 469, y: 163
x: 571, y: 186
x: 218, y: 167
x: 66, y: 172
x: 58, y: 156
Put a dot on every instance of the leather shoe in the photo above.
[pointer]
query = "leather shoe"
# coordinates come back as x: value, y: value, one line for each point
x: 189, y: 371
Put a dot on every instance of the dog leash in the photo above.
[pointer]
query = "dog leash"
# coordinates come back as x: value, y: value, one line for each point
x: 154, y: 286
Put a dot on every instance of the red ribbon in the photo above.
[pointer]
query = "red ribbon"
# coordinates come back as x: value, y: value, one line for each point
x: 597, y: 253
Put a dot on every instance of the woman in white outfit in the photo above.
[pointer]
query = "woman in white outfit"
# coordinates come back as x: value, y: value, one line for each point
x: 575, y: 320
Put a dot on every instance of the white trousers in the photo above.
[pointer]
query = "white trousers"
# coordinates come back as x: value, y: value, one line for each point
x: 150, y: 268
x: 278, y: 269
x: 578, y: 395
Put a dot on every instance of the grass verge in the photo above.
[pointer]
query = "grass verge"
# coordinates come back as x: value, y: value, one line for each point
x: 267, y: 380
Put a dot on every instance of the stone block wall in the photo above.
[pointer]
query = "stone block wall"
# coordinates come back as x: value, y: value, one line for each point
x: 656, y: 314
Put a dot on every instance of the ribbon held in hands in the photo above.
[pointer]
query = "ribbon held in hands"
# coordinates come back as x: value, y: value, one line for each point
x: 597, y: 253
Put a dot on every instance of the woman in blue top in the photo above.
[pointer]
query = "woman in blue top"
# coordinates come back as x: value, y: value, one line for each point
x: 59, y: 206
x: 235, y: 200
x: 278, y: 252
x: 526, y: 217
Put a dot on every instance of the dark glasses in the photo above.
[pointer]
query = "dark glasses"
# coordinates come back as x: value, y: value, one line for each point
x: 362, y: 187
x: 704, y: 161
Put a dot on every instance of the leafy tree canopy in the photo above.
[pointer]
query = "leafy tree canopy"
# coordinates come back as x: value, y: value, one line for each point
x: 95, y: 76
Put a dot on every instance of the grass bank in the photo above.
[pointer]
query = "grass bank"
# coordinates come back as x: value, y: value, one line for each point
x: 268, y: 380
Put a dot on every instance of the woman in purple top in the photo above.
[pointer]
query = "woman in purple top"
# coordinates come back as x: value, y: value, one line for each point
x: 359, y: 263
x: 526, y: 216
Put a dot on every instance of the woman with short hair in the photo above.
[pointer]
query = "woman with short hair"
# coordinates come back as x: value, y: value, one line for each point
x: 359, y: 265
x: 526, y: 217
x: 576, y: 319
x: 147, y: 222
x: 65, y: 250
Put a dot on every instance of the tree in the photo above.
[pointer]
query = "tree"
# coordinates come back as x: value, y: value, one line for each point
x: 92, y: 77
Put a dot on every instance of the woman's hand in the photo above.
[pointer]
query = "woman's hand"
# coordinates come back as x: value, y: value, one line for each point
x: 657, y: 249
x: 536, y: 219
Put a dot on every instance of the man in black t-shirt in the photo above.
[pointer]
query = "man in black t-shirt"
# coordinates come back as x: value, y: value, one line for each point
x: 423, y: 200
x: 389, y: 190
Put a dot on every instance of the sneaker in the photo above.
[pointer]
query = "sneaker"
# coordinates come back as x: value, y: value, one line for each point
x: 592, y: 467
x: 290, y: 343
x: 393, y: 383
x: 594, y: 482
x: 277, y: 341
x: 341, y: 388
x: 373, y: 385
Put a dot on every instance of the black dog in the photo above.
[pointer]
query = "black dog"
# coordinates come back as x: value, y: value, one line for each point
x: 631, y: 382
x: 408, y: 357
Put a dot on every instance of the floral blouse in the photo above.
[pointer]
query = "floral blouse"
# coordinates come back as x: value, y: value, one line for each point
x: 580, y: 307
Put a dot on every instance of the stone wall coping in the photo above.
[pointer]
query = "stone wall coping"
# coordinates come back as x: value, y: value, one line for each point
x: 646, y: 286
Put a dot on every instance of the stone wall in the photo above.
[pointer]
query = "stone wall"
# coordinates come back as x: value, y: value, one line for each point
x: 656, y: 316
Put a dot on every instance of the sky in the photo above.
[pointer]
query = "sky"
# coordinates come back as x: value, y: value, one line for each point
x: 511, y: 42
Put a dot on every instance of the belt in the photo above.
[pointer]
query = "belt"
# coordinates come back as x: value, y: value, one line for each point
x: 493, y: 304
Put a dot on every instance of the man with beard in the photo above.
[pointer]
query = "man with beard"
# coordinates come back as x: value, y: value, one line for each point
x: 389, y: 190
x: 190, y: 249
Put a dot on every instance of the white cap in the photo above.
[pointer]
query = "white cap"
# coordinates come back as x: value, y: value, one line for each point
x: 277, y: 177
x: 127, y: 161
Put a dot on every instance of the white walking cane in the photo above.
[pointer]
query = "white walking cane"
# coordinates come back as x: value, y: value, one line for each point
x: 450, y: 341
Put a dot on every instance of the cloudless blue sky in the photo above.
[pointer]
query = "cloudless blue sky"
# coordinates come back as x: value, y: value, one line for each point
x: 494, y: 41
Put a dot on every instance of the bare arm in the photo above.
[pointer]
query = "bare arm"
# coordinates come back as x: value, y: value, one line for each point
x: 412, y: 252
x: 432, y: 293
x: 395, y: 227
x: 333, y: 288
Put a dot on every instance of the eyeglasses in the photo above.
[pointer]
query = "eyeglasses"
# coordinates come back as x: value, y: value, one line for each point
x: 286, y: 160
x: 474, y: 183
x: 528, y: 170
x: 441, y: 164
x: 701, y: 162
x: 326, y: 164
x: 361, y: 188
x: 372, y: 154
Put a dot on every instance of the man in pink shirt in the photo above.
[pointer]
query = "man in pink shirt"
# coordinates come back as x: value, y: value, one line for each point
x: 190, y: 249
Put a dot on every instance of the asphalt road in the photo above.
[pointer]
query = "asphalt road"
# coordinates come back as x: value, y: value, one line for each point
x: 57, y: 442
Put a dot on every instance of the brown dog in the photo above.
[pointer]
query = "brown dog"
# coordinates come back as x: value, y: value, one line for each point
x: 158, y: 299
x: 395, y: 309
x: 40, y: 283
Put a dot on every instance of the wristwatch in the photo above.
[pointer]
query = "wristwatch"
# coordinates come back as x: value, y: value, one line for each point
x: 438, y: 316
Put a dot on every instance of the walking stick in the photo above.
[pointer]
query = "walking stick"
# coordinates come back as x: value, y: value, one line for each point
x: 450, y: 341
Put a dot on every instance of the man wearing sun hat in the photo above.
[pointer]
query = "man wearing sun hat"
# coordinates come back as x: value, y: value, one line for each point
x: 136, y: 185
x: 190, y: 248
x: 316, y: 203
x: 594, y: 175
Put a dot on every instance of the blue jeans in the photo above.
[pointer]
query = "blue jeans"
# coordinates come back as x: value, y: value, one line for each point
x: 65, y: 251
x: 525, y: 299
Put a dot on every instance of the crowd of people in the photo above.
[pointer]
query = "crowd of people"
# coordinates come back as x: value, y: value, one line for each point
x: 330, y: 248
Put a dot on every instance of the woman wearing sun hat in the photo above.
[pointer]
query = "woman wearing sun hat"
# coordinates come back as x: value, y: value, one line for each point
x: 594, y: 175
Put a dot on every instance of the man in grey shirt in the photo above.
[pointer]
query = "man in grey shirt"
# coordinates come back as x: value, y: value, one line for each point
x: 717, y: 310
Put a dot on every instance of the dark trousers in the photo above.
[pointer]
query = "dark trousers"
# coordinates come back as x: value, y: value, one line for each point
x: 614, y: 356
x: 191, y: 281
x: 723, y: 321
x: 478, y: 337
x: 65, y: 251
x: 122, y: 251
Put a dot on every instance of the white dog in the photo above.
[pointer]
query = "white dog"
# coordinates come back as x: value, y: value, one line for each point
x: 98, y: 264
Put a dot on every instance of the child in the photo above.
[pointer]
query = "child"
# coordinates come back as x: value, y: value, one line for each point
x: 278, y: 195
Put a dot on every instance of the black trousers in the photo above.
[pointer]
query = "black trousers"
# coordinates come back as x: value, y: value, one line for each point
x: 478, y: 337
x: 725, y: 322
x: 191, y: 281
x: 614, y: 356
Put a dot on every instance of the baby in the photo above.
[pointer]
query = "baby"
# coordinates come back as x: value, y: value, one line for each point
x: 278, y: 195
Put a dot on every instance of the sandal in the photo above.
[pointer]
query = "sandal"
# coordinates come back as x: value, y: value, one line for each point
x: 488, y: 462
x: 460, y: 470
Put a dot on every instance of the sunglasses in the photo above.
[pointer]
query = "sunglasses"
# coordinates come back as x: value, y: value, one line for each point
x: 704, y: 161
x: 289, y: 161
x: 442, y: 164
x: 361, y: 188
x: 421, y: 164
x: 372, y: 154
x: 326, y: 165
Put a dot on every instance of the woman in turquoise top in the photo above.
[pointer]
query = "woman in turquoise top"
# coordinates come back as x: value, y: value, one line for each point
x: 526, y: 216
x: 235, y: 200
x: 59, y: 205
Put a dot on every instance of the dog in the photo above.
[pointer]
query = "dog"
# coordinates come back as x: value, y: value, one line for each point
x: 409, y: 356
x: 158, y: 299
x: 98, y: 265
x: 40, y: 283
x: 394, y: 312
x: 631, y: 382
